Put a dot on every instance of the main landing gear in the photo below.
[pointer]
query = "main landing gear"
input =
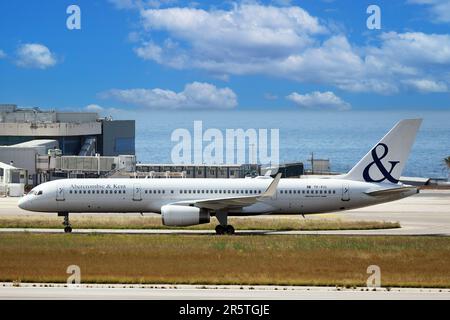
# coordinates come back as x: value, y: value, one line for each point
x: 223, y: 227
x: 228, y: 229
x: 66, y: 223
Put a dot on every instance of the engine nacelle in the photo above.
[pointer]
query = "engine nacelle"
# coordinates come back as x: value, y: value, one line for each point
x: 181, y: 216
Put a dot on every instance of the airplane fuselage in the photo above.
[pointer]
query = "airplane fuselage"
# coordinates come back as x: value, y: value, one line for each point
x: 293, y: 196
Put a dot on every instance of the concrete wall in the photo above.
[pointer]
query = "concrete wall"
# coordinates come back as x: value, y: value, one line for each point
x: 50, y: 129
x: 24, y: 158
x: 76, y: 117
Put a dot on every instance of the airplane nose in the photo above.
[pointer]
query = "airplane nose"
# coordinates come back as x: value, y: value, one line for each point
x: 24, y: 203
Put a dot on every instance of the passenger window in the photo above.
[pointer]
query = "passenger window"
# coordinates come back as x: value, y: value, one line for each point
x: 70, y: 191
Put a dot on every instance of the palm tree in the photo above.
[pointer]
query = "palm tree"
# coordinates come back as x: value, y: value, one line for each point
x: 447, y: 164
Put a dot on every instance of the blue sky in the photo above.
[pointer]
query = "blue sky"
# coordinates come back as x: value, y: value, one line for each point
x: 185, y: 55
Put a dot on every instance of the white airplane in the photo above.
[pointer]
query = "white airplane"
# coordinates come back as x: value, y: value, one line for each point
x: 184, y: 202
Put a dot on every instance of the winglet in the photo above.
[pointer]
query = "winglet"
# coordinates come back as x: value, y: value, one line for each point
x: 272, y: 189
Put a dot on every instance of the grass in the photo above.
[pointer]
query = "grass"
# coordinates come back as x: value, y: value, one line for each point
x: 143, y: 222
x: 240, y: 260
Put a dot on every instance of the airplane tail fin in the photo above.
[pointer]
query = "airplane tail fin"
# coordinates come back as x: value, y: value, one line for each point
x: 386, y: 160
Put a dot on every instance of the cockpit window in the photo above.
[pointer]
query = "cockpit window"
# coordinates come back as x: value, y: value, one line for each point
x: 39, y: 192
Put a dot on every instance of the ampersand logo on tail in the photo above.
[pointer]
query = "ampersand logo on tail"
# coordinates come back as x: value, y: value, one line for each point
x: 387, y: 175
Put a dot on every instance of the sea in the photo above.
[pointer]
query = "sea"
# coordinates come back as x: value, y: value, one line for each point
x: 342, y: 137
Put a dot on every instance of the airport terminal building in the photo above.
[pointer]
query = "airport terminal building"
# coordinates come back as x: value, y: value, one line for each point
x: 37, y: 146
x: 77, y: 133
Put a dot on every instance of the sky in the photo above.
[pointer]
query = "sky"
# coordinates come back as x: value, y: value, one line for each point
x: 225, y: 55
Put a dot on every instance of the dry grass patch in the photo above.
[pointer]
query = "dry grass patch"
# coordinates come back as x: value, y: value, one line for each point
x: 145, y: 222
x: 194, y: 259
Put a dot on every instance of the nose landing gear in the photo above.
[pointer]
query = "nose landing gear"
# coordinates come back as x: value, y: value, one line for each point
x: 66, y: 223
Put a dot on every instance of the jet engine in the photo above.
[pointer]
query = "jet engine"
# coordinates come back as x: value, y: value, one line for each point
x: 173, y: 215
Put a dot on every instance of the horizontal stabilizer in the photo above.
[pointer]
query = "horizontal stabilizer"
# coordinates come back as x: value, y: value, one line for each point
x: 391, y: 192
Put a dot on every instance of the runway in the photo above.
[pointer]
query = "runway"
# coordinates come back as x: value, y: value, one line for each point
x: 195, y: 292
x: 427, y: 213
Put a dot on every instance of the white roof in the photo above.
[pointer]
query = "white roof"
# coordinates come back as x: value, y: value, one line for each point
x: 6, y: 166
x: 35, y: 143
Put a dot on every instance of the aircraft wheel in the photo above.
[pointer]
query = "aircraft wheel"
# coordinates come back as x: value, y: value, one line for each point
x: 229, y: 229
x: 220, y: 229
x: 68, y: 229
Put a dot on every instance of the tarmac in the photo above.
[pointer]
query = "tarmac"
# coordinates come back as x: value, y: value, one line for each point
x: 44, y: 291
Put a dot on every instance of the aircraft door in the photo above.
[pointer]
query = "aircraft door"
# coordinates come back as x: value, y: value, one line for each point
x: 345, y: 192
x: 60, y: 194
x: 137, y: 195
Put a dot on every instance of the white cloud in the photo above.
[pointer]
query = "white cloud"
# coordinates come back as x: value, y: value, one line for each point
x: 2, y: 54
x: 104, y: 111
x: 195, y: 95
x: 248, y: 32
x: 35, y: 55
x: 288, y: 42
x: 319, y: 100
x: 439, y: 9
x: 94, y: 108
x: 425, y: 85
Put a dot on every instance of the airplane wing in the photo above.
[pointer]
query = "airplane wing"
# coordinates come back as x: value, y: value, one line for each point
x: 389, y: 192
x: 233, y: 202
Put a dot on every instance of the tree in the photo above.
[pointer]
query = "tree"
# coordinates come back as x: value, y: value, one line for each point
x: 447, y: 164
